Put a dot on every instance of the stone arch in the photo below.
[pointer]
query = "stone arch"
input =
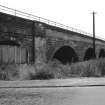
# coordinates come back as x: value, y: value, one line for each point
x: 66, y: 54
x: 89, y: 54
x: 102, y: 53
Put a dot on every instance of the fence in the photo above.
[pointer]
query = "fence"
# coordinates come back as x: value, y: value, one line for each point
x: 13, y: 54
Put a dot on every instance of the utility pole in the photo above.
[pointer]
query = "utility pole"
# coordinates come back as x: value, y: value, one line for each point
x: 94, y: 46
x: 33, y: 42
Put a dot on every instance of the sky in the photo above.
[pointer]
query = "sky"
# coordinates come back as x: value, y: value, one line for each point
x: 73, y: 13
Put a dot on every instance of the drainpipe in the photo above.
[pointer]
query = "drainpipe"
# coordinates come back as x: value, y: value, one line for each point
x: 94, y: 46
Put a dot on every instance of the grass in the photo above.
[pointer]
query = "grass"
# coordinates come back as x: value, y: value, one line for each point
x: 91, y: 68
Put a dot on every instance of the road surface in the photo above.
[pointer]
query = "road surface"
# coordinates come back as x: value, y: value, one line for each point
x: 56, y: 95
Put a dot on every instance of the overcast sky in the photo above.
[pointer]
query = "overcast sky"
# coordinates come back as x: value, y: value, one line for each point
x: 74, y: 13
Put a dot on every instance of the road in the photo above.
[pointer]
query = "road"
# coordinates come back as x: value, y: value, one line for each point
x: 58, y: 95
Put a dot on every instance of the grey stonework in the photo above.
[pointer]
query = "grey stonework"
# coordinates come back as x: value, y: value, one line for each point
x: 48, y: 39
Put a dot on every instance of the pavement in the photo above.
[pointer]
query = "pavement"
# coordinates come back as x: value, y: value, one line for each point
x: 72, y: 82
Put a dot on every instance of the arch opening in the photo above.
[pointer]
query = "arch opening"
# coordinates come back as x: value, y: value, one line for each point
x: 66, y: 55
x: 89, y: 54
x: 102, y: 53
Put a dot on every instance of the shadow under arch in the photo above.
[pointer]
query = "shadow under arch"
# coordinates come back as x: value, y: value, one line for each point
x: 65, y: 55
x: 9, y: 42
x: 89, y: 54
x: 102, y: 53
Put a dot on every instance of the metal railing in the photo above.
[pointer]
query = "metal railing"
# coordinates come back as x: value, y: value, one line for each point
x: 25, y: 15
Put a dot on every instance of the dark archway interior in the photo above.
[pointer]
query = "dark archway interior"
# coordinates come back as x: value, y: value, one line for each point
x: 102, y: 53
x: 89, y: 54
x: 66, y: 55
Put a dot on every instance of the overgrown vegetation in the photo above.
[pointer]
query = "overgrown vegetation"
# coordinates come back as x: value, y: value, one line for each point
x: 91, y: 68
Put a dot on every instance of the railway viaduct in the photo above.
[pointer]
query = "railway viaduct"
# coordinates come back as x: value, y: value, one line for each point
x: 37, y: 41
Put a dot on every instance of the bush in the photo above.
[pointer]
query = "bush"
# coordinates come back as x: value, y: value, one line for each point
x: 42, y: 76
x: 8, y: 72
x: 42, y: 72
x: 101, y: 66
x: 91, y: 68
x: 26, y: 71
x: 86, y: 69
